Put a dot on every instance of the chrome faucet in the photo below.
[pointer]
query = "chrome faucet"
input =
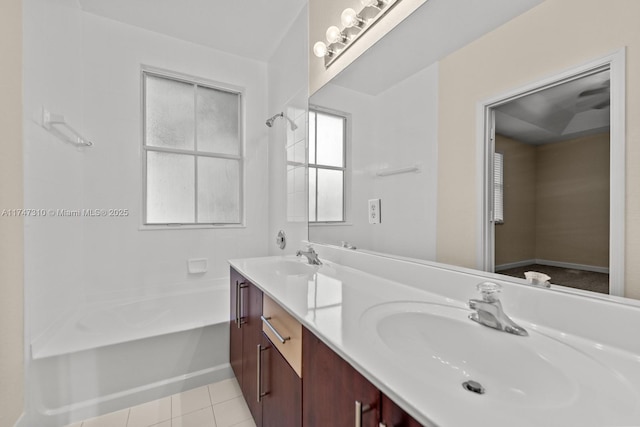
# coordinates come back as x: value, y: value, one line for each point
x: 488, y: 311
x: 312, y: 256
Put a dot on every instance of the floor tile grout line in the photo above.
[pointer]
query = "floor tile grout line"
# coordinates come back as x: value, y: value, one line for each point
x: 231, y: 398
x: 215, y: 423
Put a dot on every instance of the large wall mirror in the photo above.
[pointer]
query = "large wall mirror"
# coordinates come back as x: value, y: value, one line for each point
x: 374, y: 158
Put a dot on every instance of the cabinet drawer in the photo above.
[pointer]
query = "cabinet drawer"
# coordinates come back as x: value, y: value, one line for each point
x: 288, y: 328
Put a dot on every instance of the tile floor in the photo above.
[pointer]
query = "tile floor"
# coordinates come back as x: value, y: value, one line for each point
x: 216, y: 405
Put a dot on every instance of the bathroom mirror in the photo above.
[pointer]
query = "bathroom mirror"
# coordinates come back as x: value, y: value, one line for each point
x: 374, y: 152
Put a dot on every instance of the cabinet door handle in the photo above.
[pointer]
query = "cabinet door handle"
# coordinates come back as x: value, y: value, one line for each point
x: 282, y: 339
x: 260, y: 394
x: 361, y: 409
x: 239, y: 287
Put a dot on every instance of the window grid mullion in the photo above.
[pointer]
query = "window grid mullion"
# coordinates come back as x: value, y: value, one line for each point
x: 192, y: 153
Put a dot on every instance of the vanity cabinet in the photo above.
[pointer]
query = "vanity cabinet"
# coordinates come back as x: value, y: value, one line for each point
x: 280, y: 388
x: 334, y: 392
x: 394, y: 416
x: 270, y: 385
x: 245, y: 336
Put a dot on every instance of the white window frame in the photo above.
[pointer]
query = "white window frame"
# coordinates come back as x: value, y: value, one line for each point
x: 346, y: 168
x: 196, y: 81
x: 498, y: 188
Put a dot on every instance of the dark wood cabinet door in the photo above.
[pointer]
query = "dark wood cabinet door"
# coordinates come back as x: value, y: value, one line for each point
x: 282, y: 402
x: 394, y: 416
x: 331, y: 387
x: 235, y: 333
x: 251, y: 338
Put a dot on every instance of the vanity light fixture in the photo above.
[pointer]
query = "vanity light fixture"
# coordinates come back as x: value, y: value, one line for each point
x: 350, y: 18
x: 354, y: 24
x: 321, y: 50
x: 334, y: 35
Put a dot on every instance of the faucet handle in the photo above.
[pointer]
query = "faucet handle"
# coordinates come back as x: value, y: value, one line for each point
x: 489, y: 291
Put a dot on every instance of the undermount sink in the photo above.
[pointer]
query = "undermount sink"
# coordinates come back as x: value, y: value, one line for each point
x: 537, y: 371
x: 293, y: 267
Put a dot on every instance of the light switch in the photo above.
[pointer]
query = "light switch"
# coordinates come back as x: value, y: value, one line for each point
x: 374, y: 211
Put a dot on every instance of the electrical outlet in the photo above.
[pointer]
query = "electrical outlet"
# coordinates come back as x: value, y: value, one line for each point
x: 374, y: 211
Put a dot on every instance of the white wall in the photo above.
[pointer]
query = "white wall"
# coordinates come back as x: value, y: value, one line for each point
x: 53, y: 170
x: 11, y: 227
x: 407, y: 135
x: 394, y: 129
x: 288, y: 88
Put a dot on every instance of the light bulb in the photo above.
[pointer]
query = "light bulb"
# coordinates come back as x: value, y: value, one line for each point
x: 368, y: 3
x: 320, y: 49
x: 350, y: 18
x: 334, y: 34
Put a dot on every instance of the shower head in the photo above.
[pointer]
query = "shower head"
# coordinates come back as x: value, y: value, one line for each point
x: 270, y: 121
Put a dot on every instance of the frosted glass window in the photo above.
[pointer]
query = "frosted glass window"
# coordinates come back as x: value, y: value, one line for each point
x: 330, y: 140
x: 218, y: 190
x: 330, y: 195
x: 193, y: 152
x: 169, y: 113
x: 170, y: 188
x: 218, y: 119
x: 327, y: 166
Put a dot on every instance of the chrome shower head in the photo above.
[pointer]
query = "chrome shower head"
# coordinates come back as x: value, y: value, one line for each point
x: 270, y: 121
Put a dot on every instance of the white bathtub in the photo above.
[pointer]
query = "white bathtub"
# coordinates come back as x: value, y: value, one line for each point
x: 119, y: 353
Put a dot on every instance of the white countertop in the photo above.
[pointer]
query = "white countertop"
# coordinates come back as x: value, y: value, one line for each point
x: 339, y: 305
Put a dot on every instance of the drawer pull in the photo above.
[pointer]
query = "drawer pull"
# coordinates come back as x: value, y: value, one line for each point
x: 361, y: 409
x: 239, y: 305
x: 260, y: 394
x: 282, y: 339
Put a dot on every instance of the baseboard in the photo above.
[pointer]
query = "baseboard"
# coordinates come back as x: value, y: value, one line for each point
x: 516, y: 264
x: 560, y: 264
x: 573, y: 266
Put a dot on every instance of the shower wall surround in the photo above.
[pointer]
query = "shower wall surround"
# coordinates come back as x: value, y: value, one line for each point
x: 95, y: 81
x: 88, y: 68
x: 288, y: 88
